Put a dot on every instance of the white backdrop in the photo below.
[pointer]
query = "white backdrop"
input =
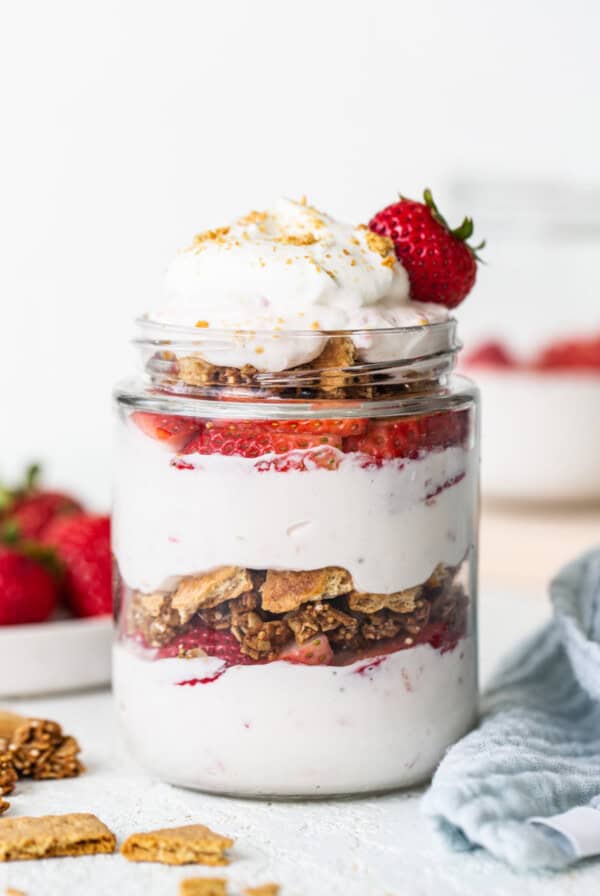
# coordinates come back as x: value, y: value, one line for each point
x: 127, y: 126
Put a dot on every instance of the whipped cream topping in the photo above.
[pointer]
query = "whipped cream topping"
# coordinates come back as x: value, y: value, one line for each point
x: 288, y: 269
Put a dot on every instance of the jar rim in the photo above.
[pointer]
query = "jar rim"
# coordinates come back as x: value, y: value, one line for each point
x: 144, y: 323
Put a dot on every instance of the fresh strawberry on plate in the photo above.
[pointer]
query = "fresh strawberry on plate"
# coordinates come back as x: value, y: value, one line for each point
x: 82, y: 544
x: 440, y: 264
x: 28, y: 509
x: 29, y: 583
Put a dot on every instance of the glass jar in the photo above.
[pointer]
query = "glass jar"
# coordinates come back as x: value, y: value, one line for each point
x: 296, y: 559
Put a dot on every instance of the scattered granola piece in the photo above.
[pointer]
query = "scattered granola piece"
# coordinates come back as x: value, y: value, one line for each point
x: 10, y: 891
x: 263, y: 890
x: 40, y: 750
x: 209, y: 589
x: 3, y: 805
x: 189, y: 844
x: 400, y: 602
x: 8, y: 774
x: 50, y: 836
x: 203, y: 886
x: 284, y: 591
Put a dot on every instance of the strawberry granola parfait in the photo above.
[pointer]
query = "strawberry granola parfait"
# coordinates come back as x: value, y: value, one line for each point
x: 296, y: 499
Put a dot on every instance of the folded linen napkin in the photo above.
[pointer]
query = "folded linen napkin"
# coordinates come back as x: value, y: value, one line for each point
x: 525, y: 785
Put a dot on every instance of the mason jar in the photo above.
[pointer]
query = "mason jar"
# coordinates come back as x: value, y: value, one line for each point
x: 296, y: 560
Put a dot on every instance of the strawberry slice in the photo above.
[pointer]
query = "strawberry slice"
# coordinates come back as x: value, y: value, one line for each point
x: 490, y: 354
x: 256, y: 442
x: 316, y: 458
x: 316, y: 652
x: 169, y: 429
x: 410, y: 436
x: 341, y: 427
x: 570, y: 354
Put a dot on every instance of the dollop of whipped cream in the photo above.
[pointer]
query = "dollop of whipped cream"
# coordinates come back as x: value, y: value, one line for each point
x: 292, y: 268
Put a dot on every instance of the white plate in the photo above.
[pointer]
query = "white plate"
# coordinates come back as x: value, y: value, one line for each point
x: 66, y: 655
x: 540, y: 436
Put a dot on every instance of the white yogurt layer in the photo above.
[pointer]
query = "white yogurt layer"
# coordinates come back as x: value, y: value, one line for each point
x: 379, y: 523
x: 283, y: 729
x: 287, y: 269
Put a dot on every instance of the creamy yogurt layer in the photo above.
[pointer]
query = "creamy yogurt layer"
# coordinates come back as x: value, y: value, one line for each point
x: 282, y: 729
x: 388, y: 525
x: 291, y: 268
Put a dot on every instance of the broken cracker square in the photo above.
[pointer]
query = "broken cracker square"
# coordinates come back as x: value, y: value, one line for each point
x: 399, y: 602
x: 263, y: 890
x: 50, y: 836
x: 285, y: 591
x: 203, y: 886
x: 209, y: 589
x: 189, y: 844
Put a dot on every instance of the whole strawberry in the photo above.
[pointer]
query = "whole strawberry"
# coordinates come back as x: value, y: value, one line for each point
x: 82, y: 543
x: 440, y: 264
x: 29, y: 586
x: 29, y: 509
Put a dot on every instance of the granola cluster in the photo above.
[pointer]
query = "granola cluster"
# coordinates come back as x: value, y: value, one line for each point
x: 35, y: 748
x: 267, y: 610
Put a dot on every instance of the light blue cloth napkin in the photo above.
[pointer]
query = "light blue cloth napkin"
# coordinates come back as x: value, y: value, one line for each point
x: 536, y: 751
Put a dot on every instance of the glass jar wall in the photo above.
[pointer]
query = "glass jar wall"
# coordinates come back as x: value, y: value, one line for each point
x: 296, y: 566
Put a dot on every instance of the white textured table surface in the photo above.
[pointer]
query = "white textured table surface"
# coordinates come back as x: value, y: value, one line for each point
x: 369, y: 847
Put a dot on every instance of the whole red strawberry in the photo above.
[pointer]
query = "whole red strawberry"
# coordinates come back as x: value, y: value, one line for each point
x: 29, y: 509
x: 440, y: 264
x: 28, y: 585
x: 82, y: 543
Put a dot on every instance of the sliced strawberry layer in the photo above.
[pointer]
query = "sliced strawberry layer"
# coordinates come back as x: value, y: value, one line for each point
x: 255, y: 444
x: 340, y: 427
x: 410, y: 436
x: 170, y: 429
x: 219, y: 644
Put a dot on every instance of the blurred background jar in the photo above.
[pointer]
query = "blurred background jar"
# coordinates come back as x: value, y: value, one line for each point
x: 539, y: 288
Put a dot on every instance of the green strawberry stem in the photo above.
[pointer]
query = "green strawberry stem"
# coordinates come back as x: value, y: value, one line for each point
x: 462, y: 233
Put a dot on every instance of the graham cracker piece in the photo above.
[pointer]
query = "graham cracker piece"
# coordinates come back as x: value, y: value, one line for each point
x: 189, y: 844
x: 195, y: 371
x: 339, y: 353
x: 49, y: 836
x: 209, y: 589
x: 399, y: 602
x: 285, y: 591
x: 203, y: 886
x: 263, y: 890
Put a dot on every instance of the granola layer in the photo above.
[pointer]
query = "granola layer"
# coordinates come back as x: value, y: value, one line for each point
x: 270, y: 612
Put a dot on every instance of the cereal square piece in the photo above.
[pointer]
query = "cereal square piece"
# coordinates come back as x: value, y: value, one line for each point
x: 209, y: 589
x: 203, y: 886
x: 189, y: 844
x: 263, y: 890
x: 284, y: 591
x: 48, y: 836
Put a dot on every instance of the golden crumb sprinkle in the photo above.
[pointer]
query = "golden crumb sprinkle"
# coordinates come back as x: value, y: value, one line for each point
x: 389, y: 261
x: 217, y: 234
x: 259, y: 350
x: 297, y: 239
x: 315, y: 325
x: 380, y: 244
x: 253, y: 217
x: 202, y: 323
x: 304, y: 200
